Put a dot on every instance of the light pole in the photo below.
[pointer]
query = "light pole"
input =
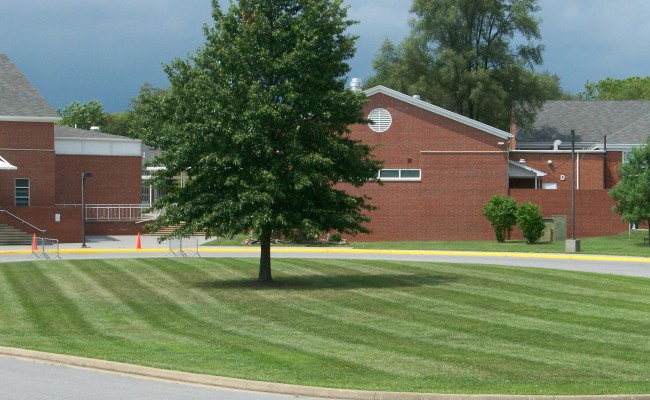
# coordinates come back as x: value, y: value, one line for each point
x: 573, y: 244
x: 84, y: 175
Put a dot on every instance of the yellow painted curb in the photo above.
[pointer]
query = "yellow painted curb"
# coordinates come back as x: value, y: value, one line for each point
x: 304, y: 250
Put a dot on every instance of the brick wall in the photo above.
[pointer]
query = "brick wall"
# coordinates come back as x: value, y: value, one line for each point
x: 591, y: 168
x: 461, y: 168
x: 66, y: 230
x: 109, y: 228
x: 115, y: 179
x: 27, y: 135
x: 594, y: 216
x: 30, y: 147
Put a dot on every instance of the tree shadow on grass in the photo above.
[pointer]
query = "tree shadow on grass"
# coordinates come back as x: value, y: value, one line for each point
x: 329, y: 282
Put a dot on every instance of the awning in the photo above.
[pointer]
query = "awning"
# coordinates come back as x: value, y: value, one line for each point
x: 4, y: 165
x: 519, y: 170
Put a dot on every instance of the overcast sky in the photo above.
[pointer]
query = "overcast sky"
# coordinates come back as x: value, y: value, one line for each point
x: 106, y: 49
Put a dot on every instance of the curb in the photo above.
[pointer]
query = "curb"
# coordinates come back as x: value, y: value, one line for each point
x: 270, y: 387
x: 279, y: 251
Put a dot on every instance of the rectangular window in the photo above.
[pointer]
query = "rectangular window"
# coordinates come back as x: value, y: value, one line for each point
x: 400, y: 175
x: 145, y: 191
x: 626, y: 156
x: 22, y: 192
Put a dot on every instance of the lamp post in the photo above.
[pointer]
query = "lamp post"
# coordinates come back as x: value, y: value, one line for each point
x: 84, y: 175
x: 573, y: 244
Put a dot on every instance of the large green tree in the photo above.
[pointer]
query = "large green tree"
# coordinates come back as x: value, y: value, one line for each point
x: 83, y: 115
x: 258, y: 118
x: 632, y: 193
x: 474, y: 57
x: 635, y: 88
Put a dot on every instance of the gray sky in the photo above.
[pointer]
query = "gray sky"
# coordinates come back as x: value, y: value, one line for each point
x: 106, y: 49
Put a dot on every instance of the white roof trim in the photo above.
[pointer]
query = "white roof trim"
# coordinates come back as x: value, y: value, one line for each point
x: 9, y: 118
x: 438, y: 110
x: 98, y: 146
x: 4, y: 165
x: 531, y: 171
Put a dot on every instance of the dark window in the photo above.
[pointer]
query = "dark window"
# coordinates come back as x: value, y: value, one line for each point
x: 22, y: 192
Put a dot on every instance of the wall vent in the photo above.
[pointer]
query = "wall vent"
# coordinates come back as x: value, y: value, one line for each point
x: 381, y: 120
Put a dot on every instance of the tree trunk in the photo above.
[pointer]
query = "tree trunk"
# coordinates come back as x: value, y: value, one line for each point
x: 265, y: 256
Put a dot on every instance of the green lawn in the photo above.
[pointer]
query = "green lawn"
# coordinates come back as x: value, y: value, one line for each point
x: 396, y: 326
x: 622, y: 245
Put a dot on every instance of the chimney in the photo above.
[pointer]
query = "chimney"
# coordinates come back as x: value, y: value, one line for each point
x: 513, y: 131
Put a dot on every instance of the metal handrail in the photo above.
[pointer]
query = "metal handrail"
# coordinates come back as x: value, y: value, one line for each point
x: 114, y: 212
x: 23, y: 221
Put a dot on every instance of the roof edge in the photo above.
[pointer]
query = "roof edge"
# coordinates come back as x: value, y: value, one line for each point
x: 100, y: 139
x: 438, y: 110
x: 9, y: 118
x: 527, y: 168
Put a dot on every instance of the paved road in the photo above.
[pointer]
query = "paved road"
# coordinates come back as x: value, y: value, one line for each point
x: 124, y: 246
x: 28, y: 380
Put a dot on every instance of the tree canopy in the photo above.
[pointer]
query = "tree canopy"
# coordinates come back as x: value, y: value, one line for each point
x: 83, y: 115
x: 632, y: 193
x: 474, y: 57
x: 635, y: 88
x: 258, y: 119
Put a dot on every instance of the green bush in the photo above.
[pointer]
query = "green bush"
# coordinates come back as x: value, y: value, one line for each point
x: 501, y: 211
x: 531, y: 221
x: 336, y: 237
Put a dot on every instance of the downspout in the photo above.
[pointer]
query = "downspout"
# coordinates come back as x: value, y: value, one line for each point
x: 512, y: 145
x: 578, y: 172
x: 605, y: 163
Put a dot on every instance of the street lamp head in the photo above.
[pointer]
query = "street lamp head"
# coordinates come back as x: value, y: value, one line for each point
x: 86, y: 175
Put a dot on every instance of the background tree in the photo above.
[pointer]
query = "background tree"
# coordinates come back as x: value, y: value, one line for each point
x: 83, y: 116
x: 632, y: 193
x: 258, y: 119
x: 635, y: 88
x: 461, y: 55
x: 501, y: 211
x: 119, y: 124
x: 531, y: 221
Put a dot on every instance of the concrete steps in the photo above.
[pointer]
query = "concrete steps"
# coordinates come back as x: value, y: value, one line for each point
x: 12, y: 236
x: 169, y: 229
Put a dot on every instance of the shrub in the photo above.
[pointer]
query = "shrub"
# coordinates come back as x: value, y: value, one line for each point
x: 336, y: 237
x: 531, y: 221
x: 501, y: 211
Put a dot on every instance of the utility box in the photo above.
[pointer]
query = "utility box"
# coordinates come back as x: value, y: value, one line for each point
x: 559, y: 228
x: 549, y: 228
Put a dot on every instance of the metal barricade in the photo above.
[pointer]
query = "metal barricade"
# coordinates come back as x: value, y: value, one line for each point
x: 49, y: 249
x: 176, y: 247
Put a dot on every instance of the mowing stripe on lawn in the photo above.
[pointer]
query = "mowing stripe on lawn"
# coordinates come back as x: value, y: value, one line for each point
x: 398, y: 326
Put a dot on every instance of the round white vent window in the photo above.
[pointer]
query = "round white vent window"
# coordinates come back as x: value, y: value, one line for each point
x: 381, y: 120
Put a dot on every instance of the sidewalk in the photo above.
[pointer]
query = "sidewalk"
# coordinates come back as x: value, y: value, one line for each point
x: 107, y: 246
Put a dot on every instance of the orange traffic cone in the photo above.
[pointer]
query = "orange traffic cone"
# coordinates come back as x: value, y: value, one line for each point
x: 34, y: 243
x: 138, y: 245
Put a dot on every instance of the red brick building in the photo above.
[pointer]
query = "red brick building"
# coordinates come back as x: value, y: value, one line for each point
x: 42, y: 165
x: 440, y: 168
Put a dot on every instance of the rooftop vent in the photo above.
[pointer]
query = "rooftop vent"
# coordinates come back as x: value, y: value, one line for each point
x: 356, y: 85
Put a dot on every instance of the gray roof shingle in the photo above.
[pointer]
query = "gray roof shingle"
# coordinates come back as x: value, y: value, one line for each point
x: 624, y: 122
x: 61, y: 131
x: 18, y: 98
